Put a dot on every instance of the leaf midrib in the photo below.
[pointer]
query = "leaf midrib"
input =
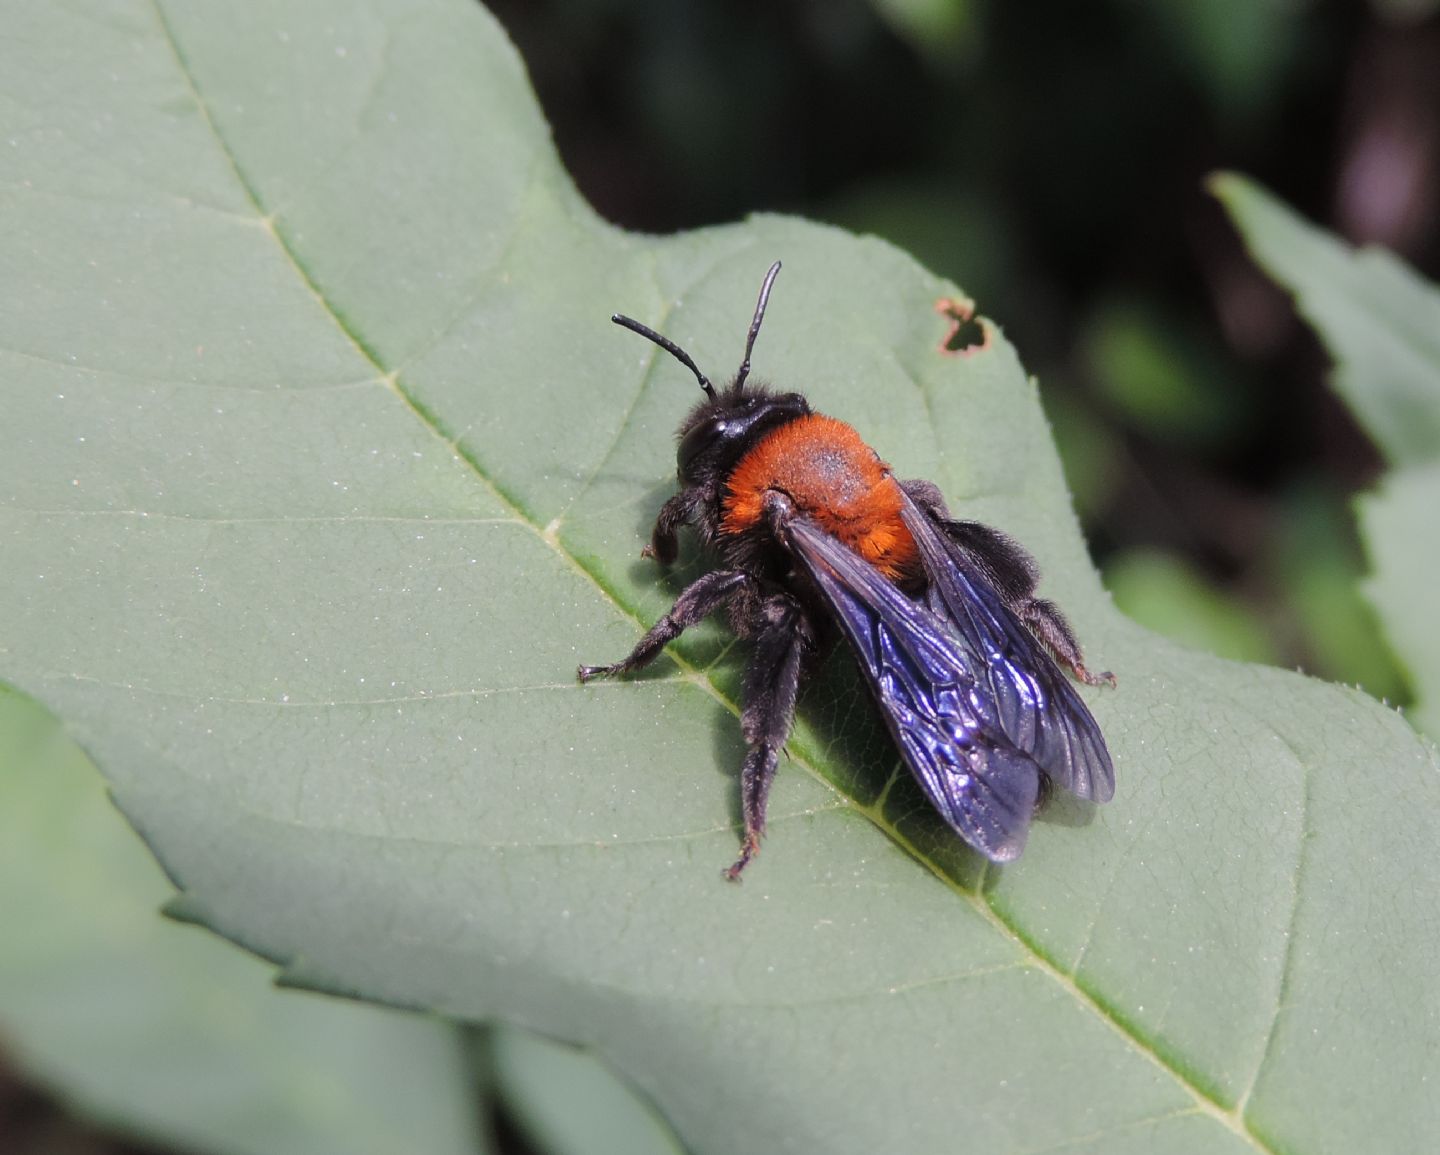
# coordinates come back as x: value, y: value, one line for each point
x: 1231, y: 1120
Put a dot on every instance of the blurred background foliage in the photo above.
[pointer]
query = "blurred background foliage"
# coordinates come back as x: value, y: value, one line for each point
x: 1049, y: 158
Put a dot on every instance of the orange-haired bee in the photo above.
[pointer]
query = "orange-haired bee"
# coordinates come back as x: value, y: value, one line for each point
x: 811, y: 528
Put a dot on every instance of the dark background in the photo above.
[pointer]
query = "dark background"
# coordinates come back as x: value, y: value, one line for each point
x: 1050, y: 158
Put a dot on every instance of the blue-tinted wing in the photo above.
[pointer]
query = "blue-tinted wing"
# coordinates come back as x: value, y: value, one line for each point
x: 933, y: 689
x: 1035, y: 705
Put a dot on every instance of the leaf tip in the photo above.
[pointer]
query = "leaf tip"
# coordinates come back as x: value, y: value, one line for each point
x: 186, y: 907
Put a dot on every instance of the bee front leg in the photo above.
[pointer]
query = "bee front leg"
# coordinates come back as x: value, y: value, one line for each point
x: 783, y: 639
x: 699, y: 600
x: 678, y: 511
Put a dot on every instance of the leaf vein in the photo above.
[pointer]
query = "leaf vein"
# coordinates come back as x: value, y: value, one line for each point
x: 1287, y: 963
x: 292, y: 703
x: 1117, y: 1129
x: 429, y: 420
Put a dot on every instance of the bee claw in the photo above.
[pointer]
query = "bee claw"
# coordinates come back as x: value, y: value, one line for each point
x: 748, y: 850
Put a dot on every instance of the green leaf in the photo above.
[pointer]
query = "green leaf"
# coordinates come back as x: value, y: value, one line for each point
x: 1316, y: 564
x: 1161, y: 591
x: 322, y: 469
x: 1404, y: 558
x: 1237, y: 52
x: 158, y: 1030
x: 1160, y: 378
x: 1380, y: 322
x: 567, y: 1102
x: 945, y: 33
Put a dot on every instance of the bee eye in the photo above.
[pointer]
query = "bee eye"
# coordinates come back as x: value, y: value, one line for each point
x: 720, y: 439
x: 694, y: 444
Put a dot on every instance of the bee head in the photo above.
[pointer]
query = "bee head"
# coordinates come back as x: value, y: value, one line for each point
x: 720, y: 430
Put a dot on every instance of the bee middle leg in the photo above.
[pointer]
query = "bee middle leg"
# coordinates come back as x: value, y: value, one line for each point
x: 783, y: 639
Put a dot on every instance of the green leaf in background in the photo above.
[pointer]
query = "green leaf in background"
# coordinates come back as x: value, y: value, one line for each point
x: 1315, y: 560
x: 1236, y: 51
x: 1399, y: 524
x: 1381, y: 325
x: 323, y: 468
x: 1379, y: 320
x: 567, y: 1103
x: 1159, y: 378
x: 944, y: 33
x: 1163, y: 593
x: 164, y: 1032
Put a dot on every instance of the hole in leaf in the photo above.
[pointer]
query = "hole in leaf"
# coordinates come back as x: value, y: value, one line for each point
x: 967, y: 332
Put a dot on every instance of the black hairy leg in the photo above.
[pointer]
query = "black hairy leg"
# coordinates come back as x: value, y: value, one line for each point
x: 1002, y: 559
x: 701, y: 598
x: 927, y: 495
x: 783, y: 640
x: 1044, y: 619
x: 678, y: 511
x: 1010, y: 569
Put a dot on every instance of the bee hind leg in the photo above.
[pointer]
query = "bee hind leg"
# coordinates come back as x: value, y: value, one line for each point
x: 783, y: 639
x: 1008, y: 566
x: 1044, y: 619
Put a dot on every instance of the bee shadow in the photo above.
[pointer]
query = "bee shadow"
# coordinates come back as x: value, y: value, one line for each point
x: 860, y: 756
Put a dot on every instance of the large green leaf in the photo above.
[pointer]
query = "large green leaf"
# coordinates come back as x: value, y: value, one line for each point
x: 1398, y: 523
x: 156, y: 1029
x: 566, y: 1102
x: 1380, y: 322
x: 323, y: 467
x: 1379, y: 319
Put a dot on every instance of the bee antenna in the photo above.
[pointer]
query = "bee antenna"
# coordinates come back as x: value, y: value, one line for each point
x: 670, y: 347
x: 755, y: 326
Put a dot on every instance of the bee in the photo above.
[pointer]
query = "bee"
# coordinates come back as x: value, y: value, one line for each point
x: 814, y: 536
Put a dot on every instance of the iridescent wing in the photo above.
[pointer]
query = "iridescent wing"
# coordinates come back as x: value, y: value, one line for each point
x: 933, y: 687
x: 1035, y: 704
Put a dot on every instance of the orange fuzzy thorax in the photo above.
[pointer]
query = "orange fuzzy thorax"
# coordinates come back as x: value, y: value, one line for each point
x: 833, y: 478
